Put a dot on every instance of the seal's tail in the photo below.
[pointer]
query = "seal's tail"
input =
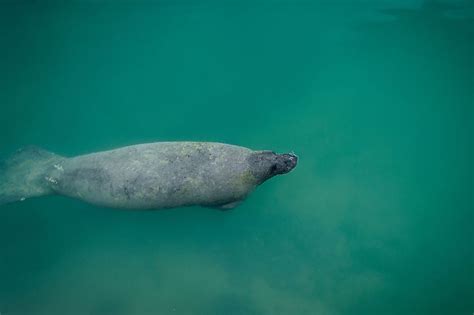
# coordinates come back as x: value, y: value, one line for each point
x: 23, y: 174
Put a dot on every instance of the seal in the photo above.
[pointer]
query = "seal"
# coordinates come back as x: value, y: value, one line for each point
x: 145, y: 176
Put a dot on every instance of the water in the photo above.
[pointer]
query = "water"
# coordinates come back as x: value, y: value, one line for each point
x: 374, y: 96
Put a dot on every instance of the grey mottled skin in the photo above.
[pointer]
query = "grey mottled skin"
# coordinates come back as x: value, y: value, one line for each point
x: 160, y: 175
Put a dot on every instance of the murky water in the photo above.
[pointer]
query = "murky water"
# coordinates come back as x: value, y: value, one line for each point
x: 375, y: 97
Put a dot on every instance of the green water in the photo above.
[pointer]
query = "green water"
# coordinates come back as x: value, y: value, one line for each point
x: 376, y: 98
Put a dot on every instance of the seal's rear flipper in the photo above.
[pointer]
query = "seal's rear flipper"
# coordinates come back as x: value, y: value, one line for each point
x: 23, y: 174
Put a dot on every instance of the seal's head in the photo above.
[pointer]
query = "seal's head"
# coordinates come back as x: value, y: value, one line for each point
x: 266, y: 164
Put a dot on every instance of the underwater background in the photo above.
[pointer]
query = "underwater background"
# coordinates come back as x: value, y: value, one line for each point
x: 376, y: 98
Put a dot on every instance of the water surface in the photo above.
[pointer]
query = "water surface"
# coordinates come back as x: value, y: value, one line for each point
x: 374, y: 96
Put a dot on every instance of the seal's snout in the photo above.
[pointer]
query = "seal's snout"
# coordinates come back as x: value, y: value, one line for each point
x: 287, y: 162
x: 266, y: 164
x: 283, y: 163
x: 292, y: 161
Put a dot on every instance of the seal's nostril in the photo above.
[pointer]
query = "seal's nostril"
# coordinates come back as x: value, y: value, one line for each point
x: 293, y: 157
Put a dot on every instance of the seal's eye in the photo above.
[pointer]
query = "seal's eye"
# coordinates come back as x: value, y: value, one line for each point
x: 273, y: 168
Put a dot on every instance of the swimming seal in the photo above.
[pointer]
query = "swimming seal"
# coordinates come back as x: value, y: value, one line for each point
x: 145, y: 176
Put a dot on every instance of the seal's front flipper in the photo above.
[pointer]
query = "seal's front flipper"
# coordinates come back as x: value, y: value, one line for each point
x: 229, y: 206
x: 23, y: 174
